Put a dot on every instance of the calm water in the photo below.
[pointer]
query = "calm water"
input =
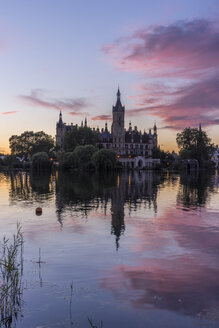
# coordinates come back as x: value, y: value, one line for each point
x: 141, y: 249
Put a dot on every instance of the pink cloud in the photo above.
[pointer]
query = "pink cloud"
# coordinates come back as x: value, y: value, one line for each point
x: 173, y: 263
x: 189, y: 105
x: 102, y: 118
x: 37, y: 98
x: 9, y: 113
x: 180, y: 49
x: 181, y: 64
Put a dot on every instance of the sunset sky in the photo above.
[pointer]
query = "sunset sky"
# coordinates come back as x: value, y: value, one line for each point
x: 71, y: 55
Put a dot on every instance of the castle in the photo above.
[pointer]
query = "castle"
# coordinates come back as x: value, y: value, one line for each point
x: 133, y: 148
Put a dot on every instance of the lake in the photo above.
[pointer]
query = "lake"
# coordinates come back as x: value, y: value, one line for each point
x: 138, y: 249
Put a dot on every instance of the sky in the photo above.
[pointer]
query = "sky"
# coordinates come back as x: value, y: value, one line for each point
x: 72, y: 55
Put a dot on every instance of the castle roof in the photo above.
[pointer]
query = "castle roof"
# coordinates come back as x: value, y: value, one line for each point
x: 118, y: 107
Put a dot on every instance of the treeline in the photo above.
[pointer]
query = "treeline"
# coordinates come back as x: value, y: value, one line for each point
x: 88, y: 157
x: 38, y: 151
x: 80, y: 151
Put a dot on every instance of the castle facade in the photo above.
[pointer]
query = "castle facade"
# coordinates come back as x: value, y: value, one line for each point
x: 133, y: 147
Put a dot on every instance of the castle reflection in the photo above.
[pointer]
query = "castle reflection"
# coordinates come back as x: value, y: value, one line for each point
x: 81, y: 193
x: 77, y: 194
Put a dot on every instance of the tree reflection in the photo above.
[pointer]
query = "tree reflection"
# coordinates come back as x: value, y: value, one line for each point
x: 82, y: 193
x: 30, y: 187
x: 195, y: 189
x: 79, y: 193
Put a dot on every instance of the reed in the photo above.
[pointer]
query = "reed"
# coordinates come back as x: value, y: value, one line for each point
x: 92, y: 325
x: 11, y: 271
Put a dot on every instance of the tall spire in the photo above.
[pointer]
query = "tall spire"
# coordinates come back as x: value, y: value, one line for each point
x: 60, y: 117
x: 118, y: 93
x: 85, y: 122
x: 118, y: 107
x: 155, y: 128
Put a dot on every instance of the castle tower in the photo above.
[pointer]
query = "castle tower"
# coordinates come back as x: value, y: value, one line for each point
x: 60, y: 131
x: 118, y: 132
x: 155, y: 135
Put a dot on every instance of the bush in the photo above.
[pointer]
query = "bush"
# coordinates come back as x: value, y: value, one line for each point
x: 104, y: 160
x: 41, y: 161
x: 67, y: 160
x: 83, y: 155
x: 12, y: 162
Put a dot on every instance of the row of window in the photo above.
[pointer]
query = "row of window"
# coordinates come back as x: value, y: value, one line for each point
x: 131, y: 146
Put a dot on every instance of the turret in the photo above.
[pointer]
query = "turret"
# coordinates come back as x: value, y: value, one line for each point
x: 118, y: 130
x: 155, y: 128
x: 130, y: 126
x: 106, y: 129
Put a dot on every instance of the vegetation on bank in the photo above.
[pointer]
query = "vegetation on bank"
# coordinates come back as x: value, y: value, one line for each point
x: 38, y: 151
x: 81, y: 136
x: 194, y: 143
x: 11, y: 271
x: 29, y: 143
x: 88, y: 158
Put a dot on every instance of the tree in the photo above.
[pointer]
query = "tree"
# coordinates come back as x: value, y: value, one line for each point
x: 11, y: 161
x: 79, y: 137
x: 195, y: 144
x: 41, y: 162
x: 80, y: 158
x: 29, y: 143
x: 104, y: 160
x: 83, y: 155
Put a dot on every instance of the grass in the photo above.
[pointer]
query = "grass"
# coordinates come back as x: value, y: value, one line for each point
x: 11, y: 271
x: 92, y: 325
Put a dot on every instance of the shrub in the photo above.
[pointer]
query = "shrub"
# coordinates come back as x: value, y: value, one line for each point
x: 104, y: 160
x: 41, y: 161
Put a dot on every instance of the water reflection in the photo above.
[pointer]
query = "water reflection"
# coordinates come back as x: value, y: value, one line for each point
x: 168, y: 223
x: 83, y: 193
x: 195, y: 190
x: 29, y: 188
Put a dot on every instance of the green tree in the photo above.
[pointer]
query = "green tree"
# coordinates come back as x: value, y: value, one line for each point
x: 79, y: 137
x: 104, y: 160
x: 83, y: 155
x: 29, y: 143
x: 41, y: 161
x: 80, y: 158
x: 66, y: 160
x: 195, y: 144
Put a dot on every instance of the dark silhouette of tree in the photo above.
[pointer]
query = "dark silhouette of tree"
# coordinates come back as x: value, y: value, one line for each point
x: 79, y: 137
x: 104, y: 160
x: 41, y: 161
x: 194, y: 144
x: 29, y: 143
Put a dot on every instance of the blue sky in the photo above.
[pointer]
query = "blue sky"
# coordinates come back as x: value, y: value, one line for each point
x: 52, y: 51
